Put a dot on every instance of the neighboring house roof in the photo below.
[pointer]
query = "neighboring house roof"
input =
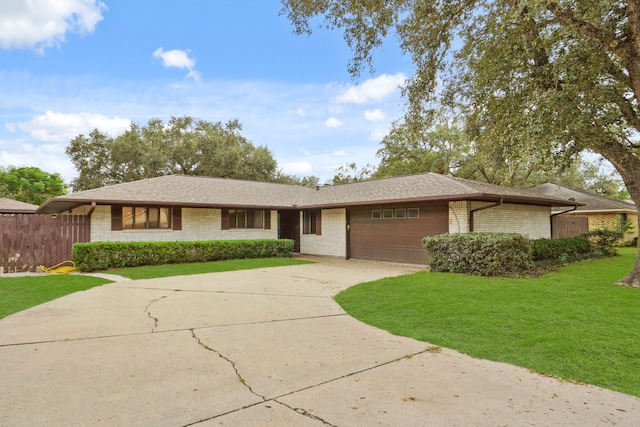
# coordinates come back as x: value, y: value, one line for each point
x: 194, y: 191
x: 14, y: 206
x: 591, y: 202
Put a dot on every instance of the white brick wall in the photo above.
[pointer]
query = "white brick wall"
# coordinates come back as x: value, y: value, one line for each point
x: 197, y: 224
x: 332, y: 241
x: 528, y: 220
x: 458, y: 217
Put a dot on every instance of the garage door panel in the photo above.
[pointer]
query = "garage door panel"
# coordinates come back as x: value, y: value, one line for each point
x: 398, y: 240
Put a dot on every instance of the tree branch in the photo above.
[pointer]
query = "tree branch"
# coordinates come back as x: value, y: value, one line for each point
x: 598, y: 35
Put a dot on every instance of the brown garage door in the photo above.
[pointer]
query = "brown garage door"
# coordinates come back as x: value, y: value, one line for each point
x: 394, y: 233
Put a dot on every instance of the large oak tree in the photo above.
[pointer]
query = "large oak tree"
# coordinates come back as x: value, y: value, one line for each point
x: 183, y: 145
x: 542, y: 78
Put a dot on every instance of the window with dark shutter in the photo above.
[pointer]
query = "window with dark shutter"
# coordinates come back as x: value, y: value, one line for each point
x: 176, y: 218
x: 116, y: 218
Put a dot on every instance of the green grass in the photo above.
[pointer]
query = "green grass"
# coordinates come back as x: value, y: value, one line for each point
x: 20, y: 293
x: 153, y: 271
x: 574, y: 323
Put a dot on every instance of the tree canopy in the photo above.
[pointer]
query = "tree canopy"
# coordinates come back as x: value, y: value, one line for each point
x: 183, y: 145
x: 30, y: 184
x: 547, y: 79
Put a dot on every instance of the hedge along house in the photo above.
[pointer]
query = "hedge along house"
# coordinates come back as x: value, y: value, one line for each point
x: 603, y: 213
x: 383, y: 219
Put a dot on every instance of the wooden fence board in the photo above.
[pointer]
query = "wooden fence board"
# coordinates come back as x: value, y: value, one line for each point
x: 563, y: 226
x: 27, y: 240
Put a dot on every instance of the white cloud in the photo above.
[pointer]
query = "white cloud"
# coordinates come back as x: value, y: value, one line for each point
x: 339, y: 153
x: 301, y: 112
x: 375, y: 115
x: 332, y: 122
x: 40, y: 24
x: 61, y: 127
x: 178, y: 59
x: 296, y: 168
x: 48, y: 157
x: 372, y: 90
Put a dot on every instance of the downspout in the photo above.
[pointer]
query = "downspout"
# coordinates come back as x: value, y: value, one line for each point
x: 472, y: 211
x: 560, y: 213
x: 91, y: 209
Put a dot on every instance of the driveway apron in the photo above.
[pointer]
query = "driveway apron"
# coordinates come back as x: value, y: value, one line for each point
x: 264, y: 347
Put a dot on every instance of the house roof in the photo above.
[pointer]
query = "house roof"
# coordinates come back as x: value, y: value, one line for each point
x: 591, y: 202
x: 14, y: 206
x: 193, y: 191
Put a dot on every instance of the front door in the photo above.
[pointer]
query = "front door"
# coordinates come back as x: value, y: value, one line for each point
x: 289, y: 227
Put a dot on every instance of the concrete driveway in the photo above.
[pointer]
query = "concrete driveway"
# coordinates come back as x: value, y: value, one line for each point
x: 265, y: 347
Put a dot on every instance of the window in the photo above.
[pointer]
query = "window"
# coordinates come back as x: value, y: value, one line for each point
x: 401, y: 213
x: 387, y: 214
x: 413, y: 213
x: 246, y: 218
x: 376, y: 214
x: 311, y: 222
x: 139, y: 217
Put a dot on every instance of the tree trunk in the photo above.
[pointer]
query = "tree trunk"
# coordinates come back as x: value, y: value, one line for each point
x: 628, y: 166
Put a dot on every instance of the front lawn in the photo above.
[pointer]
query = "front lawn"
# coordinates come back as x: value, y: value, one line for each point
x: 20, y: 293
x: 574, y: 323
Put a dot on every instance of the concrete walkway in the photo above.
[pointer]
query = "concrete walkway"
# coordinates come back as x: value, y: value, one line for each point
x: 266, y: 347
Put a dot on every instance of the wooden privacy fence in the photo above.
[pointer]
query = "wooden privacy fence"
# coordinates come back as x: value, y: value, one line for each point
x: 27, y: 240
x: 568, y: 226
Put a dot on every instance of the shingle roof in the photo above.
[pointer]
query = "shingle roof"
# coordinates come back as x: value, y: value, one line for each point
x: 181, y: 190
x: 14, y: 206
x: 592, y: 202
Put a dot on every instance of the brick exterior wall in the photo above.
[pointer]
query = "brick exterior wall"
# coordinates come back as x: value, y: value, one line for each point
x: 197, y: 224
x: 458, y: 217
x: 332, y: 241
x: 529, y: 220
x: 611, y: 221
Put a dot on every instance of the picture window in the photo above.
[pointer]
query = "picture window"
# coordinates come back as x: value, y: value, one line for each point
x: 387, y: 214
x: 401, y: 213
x: 376, y: 214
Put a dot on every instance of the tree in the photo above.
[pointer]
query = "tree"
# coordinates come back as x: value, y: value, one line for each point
x: 445, y: 148
x: 30, y: 184
x: 350, y: 173
x: 182, y: 146
x: 536, y: 76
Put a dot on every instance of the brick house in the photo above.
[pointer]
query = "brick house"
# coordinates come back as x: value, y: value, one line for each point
x: 603, y: 213
x: 383, y: 219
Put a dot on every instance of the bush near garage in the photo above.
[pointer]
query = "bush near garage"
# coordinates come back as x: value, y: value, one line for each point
x: 561, y: 250
x: 485, y: 254
x: 104, y: 255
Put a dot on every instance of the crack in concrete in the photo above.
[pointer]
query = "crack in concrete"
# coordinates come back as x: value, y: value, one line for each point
x: 155, y: 319
x: 305, y: 413
x: 231, y: 362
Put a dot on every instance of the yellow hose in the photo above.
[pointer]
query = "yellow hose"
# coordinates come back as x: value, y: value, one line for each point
x: 60, y: 268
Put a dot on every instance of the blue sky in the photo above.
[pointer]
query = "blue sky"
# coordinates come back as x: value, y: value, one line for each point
x: 69, y: 66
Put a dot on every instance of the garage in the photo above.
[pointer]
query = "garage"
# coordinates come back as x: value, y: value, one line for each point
x: 394, y: 232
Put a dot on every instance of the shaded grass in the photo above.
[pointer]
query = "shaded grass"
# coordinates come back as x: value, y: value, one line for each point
x: 20, y: 293
x: 574, y: 323
x: 166, y: 270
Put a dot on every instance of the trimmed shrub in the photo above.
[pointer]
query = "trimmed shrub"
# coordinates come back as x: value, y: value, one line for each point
x: 485, y: 254
x: 560, y: 250
x: 605, y: 241
x: 104, y: 255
